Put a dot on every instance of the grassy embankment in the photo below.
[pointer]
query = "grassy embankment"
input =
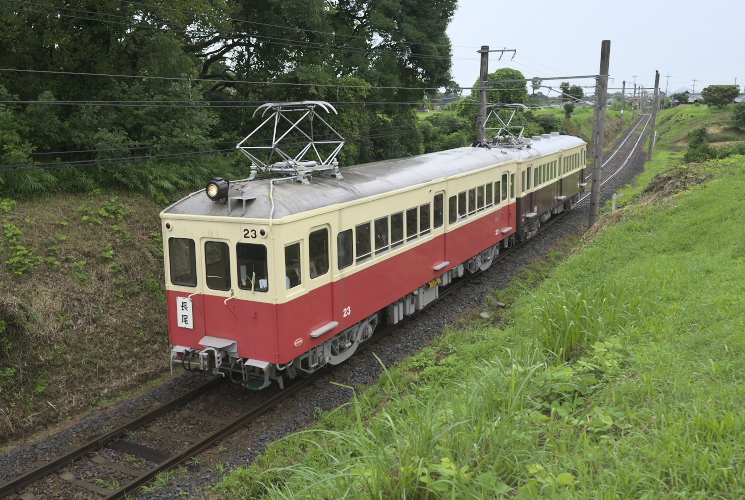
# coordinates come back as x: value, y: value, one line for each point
x: 616, y: 372
x: 82, y: 307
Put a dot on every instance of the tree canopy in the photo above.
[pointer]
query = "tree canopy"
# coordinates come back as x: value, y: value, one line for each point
x: 159, y: 94
x: 720, y: 95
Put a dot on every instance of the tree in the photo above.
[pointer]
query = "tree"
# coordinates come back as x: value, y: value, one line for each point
x: 738, y: 116
x: 505, y: 92
x: 720, y: 95
x: 568, y: 109
x: 681, y: 97
x: 577, y: 93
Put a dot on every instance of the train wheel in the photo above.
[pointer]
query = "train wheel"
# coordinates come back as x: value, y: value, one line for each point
x: 487, y: 257
x: 343, y: 346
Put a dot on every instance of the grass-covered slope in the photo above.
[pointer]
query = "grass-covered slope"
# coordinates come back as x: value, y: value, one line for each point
x: 619, y: 375
x: 82, y: 307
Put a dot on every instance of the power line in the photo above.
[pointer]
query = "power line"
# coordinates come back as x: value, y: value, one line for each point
x: 213, y: 80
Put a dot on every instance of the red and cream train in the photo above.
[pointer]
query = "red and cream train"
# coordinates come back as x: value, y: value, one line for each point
x: 275, y: 278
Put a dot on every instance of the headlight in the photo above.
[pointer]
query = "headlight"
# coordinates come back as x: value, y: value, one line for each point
x: 217, y: 189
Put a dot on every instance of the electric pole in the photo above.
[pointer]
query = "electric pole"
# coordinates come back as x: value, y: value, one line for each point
x: 598, y: 131
x: 655, y: 106
x: 623, y: 101
x: 483, y: 77
x: 483, y: 88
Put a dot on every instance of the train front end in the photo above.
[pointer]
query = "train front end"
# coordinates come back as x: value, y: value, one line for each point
x: 221, y: 316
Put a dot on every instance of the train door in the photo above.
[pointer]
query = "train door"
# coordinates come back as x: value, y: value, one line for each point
x: 319, y: 271
x: 219, y: 310
x: 438, y: 225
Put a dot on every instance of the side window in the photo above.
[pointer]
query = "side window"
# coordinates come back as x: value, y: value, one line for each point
x: 412, y: 227
x: 522, y: 184
x: 504, y: 186
x: 471, y: 201
x: 397, y: 229
x: 462, y: 208
x: 318, y: 252
x: 381, y: 235
x: 252, y: 267
x: 490, y: 193
x: 512, y: 186
x: 480, y: 198
x: 439, y: 209
x: 424, y: 222
x: 293, y: 274
x: 182, y: 258
x: 217, y: 265
x: 345, y: 249
x: 452, y: 210
x: 363, y: 241
x: 530, y: 172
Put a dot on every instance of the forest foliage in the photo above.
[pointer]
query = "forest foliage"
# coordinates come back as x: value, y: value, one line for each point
x: 155, y: 96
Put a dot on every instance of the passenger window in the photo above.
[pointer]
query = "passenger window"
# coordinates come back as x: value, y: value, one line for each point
x: 452, y: 210
x: 397, y: 229
x: 462, y: 208
x: 318, y: 252
x: 480, y: 198
x: 496, y: 191
x: 490, y: 193
x: 252, y: 267
x: 439, y: 209
x: 217, y: 265
x: 381, y: 235
x: 293, y: 276
x: 523, y: 189
x: 530, y: 172
x: 411, y: 224
x: 504, y: 187
x: 183, y: 261
x: 424, y: 223
x: 362, y: 240
x: 345, y: 249
x: 471, y: 201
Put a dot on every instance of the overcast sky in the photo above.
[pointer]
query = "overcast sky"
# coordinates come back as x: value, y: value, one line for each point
x: 702, y: 41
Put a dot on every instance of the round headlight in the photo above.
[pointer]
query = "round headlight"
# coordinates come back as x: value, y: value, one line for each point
x: 217, y: 189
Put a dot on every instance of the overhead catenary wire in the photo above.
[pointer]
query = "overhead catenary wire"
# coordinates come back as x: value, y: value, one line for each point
x: 213, y: 80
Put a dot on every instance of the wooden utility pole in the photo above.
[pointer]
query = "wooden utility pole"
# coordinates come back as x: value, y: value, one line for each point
x: 483, y: 78
x: 623, y: 101
x: 598, y: 130
x: 655, y: 107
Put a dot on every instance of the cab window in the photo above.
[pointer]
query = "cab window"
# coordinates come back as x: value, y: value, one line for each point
x: 217, y: 265
x: 183, y: 261
x: 252, y: 267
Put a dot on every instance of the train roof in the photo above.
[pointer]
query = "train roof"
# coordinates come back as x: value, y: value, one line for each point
x: 359, y: 181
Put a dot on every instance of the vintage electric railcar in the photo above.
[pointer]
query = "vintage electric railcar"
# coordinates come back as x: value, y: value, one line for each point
x: 282, y: 276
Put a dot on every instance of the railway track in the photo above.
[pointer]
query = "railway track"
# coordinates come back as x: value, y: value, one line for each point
x: 119, y: 462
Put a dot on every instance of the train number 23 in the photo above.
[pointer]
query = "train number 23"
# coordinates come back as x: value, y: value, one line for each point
x: 347, y: 311
x: 249, y: 233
